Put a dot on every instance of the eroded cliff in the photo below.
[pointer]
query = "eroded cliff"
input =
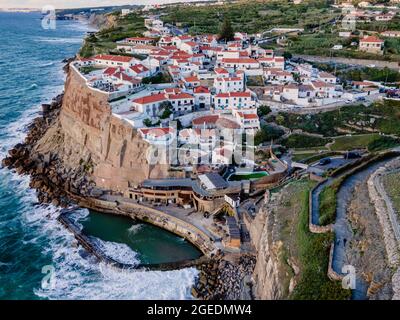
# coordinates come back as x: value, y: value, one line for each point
x: 87, y: 132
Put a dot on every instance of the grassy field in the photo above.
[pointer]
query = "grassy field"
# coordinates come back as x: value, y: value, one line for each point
x: 392, y: 187
x: 313, y: 251
x: 351, y: 142
x: 104, y: 41
x: 320, y: 42
x: 327, y: 203
x: 372, y: 142
x: 304, y: 141
x: 382, y: 116
x: 250, y: 16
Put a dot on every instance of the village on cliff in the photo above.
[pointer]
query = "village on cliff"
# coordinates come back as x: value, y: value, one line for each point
x: 193, y: 119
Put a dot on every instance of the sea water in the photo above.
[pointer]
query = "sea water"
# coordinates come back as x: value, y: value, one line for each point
x: 33, y: 244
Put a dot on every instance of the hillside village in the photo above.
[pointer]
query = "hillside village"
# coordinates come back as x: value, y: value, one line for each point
x: 258, y: 156
x: 203, y: 76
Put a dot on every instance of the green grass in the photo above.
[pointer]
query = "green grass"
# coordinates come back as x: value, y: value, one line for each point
x: 304, y: 141
x: 392, y: 187
x: 327, y: 203
x: 104, y: 41
x: 240, y: 177
x: 319, y: 156
x: 302, y: 156
x: 314, y: 283
x: 352, y: 142
x: 372, y: 142
x: 159, y: 78
x: 255, y: 81
x: 381, y: 116
x: 250, y: 16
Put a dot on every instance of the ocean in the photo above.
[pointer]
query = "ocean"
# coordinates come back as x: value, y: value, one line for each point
x: 33, y: 244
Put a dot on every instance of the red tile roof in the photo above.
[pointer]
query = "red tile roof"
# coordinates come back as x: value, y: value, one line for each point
x: 139, y: 68
x: 239, y: 60
x: 151, y: 99
x: 201, y: 89
x: 113, y: 58
x: 180, y: 96
x: 191, y: 79
x: 139, y: 39
x: 157, y: 132
x: 221, y: 70
x: 372, y: 39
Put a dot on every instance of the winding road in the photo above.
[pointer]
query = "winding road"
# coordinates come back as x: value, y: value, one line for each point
x: 342, y: 227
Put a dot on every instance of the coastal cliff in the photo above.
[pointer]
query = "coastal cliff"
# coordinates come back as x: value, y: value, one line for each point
x: 78, y: 147
x: 87, y: 132
x: 276, y: 269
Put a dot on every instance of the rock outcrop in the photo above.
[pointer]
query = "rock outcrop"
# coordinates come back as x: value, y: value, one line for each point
x: 87, y: 129
x: 275, y: 273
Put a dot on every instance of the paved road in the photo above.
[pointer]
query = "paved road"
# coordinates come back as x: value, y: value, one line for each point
x: 360, y: 62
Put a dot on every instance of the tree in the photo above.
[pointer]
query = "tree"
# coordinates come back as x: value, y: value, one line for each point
x: 147, y: 122
x: 226, y: 33
x: 166, y: 107
x: 263, y: 110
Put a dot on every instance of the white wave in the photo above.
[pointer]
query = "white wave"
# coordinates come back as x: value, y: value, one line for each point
x: 47, y: 64
x: 59, y: 40
x: 120, y: 252
x: 81, y: 26
x: 135, y: 229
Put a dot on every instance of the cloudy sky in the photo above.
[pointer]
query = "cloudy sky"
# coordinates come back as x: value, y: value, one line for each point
x: 73, y: 3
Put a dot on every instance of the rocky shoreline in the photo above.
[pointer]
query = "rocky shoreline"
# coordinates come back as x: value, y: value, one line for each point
x: 51, y: 180
x: 223, y: 279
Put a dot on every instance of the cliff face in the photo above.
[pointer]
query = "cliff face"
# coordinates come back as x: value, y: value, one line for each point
x: 275, y: 271
x: 87, y: 132
x: 269, y: 272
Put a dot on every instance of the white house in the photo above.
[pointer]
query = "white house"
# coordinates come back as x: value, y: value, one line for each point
x: 149, y: 105
x: 272, y: 62
x: 139, y: 40
x: 327, y: 77
x: 324, y: 90
x: 158, y: 135
x: 191, y: 82
x: 391, y: 34
x: 221, y: 73
x: 139, y: 70
x: 240, y: 63
x: 202, y: 97
x: 190, y: 47
x: 248, y: 121
x: 181, y: 102
x: 115, y: 61
x: 371, y: 44
x: 228, y: 84
x: 235, y: 100
x: 275, y: 76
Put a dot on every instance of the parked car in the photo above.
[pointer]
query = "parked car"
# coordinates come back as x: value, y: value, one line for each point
x: 351, y: 155
x: 325, y: 161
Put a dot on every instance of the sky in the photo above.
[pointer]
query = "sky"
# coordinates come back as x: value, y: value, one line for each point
x: 60, y: 4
